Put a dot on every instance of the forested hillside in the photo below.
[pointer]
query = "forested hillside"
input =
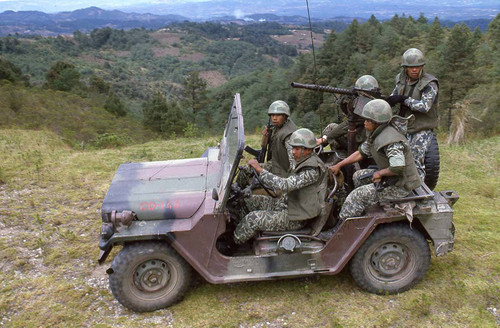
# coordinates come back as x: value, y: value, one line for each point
x: 180, y: 79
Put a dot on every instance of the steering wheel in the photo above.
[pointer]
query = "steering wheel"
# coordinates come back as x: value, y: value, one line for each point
x: 329, y: 198
x: 270, y: 191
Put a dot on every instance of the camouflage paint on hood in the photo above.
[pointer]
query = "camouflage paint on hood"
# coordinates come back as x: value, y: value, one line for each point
x: 158, y: 190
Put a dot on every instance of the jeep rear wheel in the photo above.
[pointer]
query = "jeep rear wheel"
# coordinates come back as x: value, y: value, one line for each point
x: 148, y: 276
x: 392, y: 260
x: 431, y: 162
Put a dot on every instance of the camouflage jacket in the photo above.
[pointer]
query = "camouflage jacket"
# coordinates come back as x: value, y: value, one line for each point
x: 422, y: 101
x: 305, y: 189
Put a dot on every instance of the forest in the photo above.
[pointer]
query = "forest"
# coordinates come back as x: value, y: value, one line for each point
x: 180, y: 80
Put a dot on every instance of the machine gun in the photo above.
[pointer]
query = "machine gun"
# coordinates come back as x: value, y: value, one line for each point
x: 265, y: 144
x: 361, y: 98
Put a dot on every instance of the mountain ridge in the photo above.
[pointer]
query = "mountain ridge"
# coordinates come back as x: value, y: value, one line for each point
x: 86, y: 19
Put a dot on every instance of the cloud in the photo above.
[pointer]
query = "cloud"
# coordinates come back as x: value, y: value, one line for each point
x: 238, y: 13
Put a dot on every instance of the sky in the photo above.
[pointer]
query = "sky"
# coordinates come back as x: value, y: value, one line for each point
x: 70, y: 5
x: 441, y: 8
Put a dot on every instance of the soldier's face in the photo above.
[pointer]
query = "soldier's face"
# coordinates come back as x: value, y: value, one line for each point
x: 278, y: 119
x: 414, y: 72
x: 370, y: 125
x: 300, y: 153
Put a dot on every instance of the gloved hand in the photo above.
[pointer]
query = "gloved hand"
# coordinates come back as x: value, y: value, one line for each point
x: 395, y: 99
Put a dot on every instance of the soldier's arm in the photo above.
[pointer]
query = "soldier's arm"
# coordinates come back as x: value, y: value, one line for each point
x: 289, y: 153
x: 304, y: 178
x: 395, y: 153
x: 428, y: 97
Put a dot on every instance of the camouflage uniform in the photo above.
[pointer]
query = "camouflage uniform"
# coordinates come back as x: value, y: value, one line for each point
x: 282, y: 162
x: 388, y: 147
x: 267, y: 213
x: 337, y: 133
x: 366, y: 195
x: 422, y: 103
x: 303, y: 197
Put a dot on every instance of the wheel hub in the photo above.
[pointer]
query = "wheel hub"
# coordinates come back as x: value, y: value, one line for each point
x: 389, y: 259
x: 152, y: 276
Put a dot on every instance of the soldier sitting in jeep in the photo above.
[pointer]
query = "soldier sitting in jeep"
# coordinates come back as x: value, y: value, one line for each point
x: 304, y: 193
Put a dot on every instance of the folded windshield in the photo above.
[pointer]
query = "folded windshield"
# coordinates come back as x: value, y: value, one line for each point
x: 231, y: 150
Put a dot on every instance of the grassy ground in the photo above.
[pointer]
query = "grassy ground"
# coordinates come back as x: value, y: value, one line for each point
x: 50, y: 198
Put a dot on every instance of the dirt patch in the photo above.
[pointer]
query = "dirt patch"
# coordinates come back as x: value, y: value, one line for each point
x: 194, y: 57
x: 166, y: 38
x: 92, y: 59
x: 301, y: 39
x: 166, y: 51
x: 213, y: 78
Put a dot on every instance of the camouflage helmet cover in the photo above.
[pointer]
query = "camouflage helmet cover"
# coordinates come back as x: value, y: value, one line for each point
x: 377, y: 110
x: 413, y: 57
x: 279, y: 107
x: 366, y: 82
x: 303, y: 138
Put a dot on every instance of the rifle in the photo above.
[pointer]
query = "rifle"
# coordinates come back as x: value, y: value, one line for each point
x: 380, y: 185
x: 362, y: 97
x: 260, y: 155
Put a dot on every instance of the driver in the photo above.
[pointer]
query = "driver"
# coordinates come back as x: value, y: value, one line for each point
x: 303, y: 192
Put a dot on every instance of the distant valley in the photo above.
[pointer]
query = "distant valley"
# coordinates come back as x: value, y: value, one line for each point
x: 88, y: 19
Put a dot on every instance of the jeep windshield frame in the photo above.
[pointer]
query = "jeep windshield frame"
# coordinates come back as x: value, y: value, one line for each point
x: 231, y: 152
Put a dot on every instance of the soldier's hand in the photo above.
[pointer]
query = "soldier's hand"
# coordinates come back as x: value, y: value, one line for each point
x: 335, y: 169
x: 255, y: 164
x: 377, y: 177
x: 395, y: 99
x: 264, y: 131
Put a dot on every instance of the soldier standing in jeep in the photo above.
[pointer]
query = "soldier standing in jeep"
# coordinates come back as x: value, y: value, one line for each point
x: 280, y: 157
x: 390, y: 150
x: 304, y: 193
x: 417, y: 92
x: 335, y: 134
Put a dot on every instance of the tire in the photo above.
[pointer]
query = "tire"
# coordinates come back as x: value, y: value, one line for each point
x: 431, y: 162
x: 148, y: 276
x: 392, y: 260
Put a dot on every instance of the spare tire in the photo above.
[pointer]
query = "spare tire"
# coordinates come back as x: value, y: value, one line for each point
x: 431, y: 162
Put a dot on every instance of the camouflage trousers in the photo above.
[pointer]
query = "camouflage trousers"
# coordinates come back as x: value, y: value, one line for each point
x: 419, y: 144
x: 366, y: 195
x: 264, y: 214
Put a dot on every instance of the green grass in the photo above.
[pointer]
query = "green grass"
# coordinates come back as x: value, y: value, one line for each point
x: 50, y: 197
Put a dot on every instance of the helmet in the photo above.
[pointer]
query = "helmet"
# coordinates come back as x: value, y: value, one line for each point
x: 279, y: 107
x: 413, y: 57
x: 366, y: 82
x: 377, y: 110
x: 303, y: 138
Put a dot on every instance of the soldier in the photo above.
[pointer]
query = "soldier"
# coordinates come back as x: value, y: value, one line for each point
x: 391, y: 152
x: 417, y: 92
x: 282, y: 162
x: 336, y: 134
x: 303, y: 192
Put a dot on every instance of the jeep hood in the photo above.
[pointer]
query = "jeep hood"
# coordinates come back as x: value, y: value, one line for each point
x: 158, y: 190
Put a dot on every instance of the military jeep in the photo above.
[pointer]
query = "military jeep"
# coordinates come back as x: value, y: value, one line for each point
x: 175, y: 216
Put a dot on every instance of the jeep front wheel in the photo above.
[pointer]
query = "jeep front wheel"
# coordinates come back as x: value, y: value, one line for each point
x: 148, y: 276
x: 392, y: 260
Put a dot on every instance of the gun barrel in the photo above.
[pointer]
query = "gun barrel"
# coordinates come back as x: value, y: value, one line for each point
x: 323, y: 88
